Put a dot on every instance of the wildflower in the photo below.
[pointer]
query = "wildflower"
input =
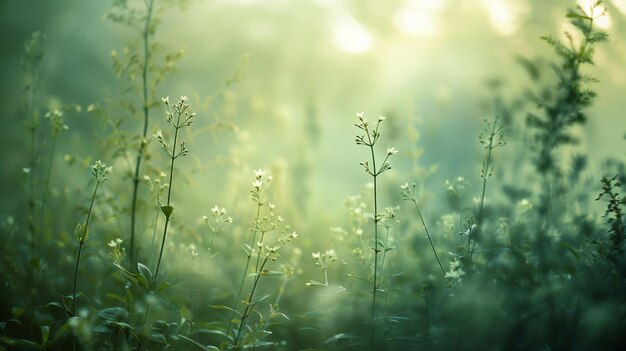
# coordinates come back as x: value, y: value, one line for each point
x: 100, y: 171
x: 391, y: 151
x: 259, y: 173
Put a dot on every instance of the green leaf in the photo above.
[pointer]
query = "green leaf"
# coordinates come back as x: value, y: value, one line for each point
x: 185, y: 313
x: 315, y: 283
x: 202, y: 347
x: 114, y: 314
x: 259, y: 299
x: 337, y: 337
x: 266, y: 273
x: 65, y: 328
x: 45, y: 334
x: 572, y: 14
x: 21, y: 343
x: 158, y: 337
x: 121, y: 325
x: 134, y: 277
x: 167, y: 210
x: 145, y: 272
x: 163, y: 286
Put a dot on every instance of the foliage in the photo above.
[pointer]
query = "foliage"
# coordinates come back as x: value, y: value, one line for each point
x: 537, y: 266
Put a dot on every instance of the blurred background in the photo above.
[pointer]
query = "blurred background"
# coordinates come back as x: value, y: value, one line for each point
x: 276, y: 85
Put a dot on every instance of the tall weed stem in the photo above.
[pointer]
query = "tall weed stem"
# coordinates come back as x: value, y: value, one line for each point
x: 369, y: 139
x: 184, y: 118
x: 491, y: 137
x: 408, y: 193
x: 146, y: 115
x: 100, y: 171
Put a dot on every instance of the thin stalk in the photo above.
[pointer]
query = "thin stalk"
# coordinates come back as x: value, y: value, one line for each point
x: 246, y: 311
x: 245, y: 272
x: 44, y: 198
x: 169, y: 196
x: 33, y: 157
x: 479, y: 219
x: 146, y: 115
x: 154, y: 234
x: 81, y: 243
x: 376, y: 250
x: 430, y: 240
x: 263, y: 232
x: 382, y: 260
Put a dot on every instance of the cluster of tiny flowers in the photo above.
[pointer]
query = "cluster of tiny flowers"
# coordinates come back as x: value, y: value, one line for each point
x: 219, y: 216
x: 156, y: 186
x: 325, y: 259
x: 369, y: 139
x: 259, y: 184
x: 408, y: 191
x: 270, y: 252
x: 456, y: 270
x: 178, y: 116
x: 100, y: 171
x: 458, y: 187
x: 56, y: 119
x: 117, y: 253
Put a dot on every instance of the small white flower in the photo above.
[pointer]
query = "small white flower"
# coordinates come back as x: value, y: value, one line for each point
x: 259, y: 173
x: 257, y: 184
x: 392, y: 150
x: 166, y: 100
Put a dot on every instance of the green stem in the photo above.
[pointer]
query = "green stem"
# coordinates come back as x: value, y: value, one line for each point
x: 246, y: 311
x: 169, y: 195
x: 81, y: 243
x: 479, y: 218
x: 245, y: 271
x: 33, y: 160
x: 80, y: 249
x: 154, y: 234
x: 430, y: 240
x: 146, y: 113
x: 382, y: 260
x: 376, y: 250
x: 44, y: 198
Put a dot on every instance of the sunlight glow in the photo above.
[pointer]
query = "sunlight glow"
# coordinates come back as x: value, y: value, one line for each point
x: 350, y: 36
x: 504, y: 15
x: 621, y: 5
x: 599, y: 14
x: 418, y: 17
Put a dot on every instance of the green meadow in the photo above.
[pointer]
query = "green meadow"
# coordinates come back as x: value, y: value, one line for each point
x: 313, y: 175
